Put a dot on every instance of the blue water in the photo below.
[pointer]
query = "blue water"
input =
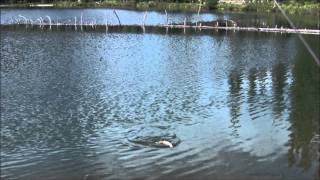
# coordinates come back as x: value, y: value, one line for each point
x: 92, y: 105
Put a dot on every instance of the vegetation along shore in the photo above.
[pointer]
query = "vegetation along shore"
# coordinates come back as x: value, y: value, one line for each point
x: 291, y: 7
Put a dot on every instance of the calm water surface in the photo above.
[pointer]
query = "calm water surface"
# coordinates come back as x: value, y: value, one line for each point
x: 77, y: 105
x: 106, y: 16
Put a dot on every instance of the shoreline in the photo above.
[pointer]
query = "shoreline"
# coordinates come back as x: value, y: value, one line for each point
x: 290, y: 8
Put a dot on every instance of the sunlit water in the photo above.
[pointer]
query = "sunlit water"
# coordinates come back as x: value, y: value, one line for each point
x: 77, y: 105
x: 107, y: 16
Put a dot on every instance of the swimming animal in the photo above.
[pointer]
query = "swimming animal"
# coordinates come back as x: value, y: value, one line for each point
x: 166, y: 143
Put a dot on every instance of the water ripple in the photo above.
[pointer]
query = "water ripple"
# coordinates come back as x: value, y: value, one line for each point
x: 93, y: 105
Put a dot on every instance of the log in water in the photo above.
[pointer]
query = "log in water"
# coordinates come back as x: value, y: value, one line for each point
x: 150, y: 28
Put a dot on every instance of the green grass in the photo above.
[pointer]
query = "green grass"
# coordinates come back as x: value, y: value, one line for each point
x: 298, y: 8
x: 151, y: 5
x: 289, y: 7
x: 231, y: 7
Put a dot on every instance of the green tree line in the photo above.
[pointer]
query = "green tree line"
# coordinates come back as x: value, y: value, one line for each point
x: 177, y: 1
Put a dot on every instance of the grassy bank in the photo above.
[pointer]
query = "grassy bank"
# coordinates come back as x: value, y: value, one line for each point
x: 151, y: 5
x: 289, y: 7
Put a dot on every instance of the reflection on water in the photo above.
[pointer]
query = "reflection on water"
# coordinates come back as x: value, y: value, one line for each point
x: 128, y: 17
x: 90, y: 105
x: 302, y: 150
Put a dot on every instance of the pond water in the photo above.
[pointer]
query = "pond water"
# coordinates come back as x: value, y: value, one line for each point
x: 92, y: 105
x: 103, y: 16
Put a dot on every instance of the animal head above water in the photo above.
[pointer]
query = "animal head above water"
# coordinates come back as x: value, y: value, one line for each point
x: 165, y: 143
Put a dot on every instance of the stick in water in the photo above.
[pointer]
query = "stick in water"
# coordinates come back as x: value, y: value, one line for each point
x: 199, y: 13
x: 144, y: 18
x: 81, y: 22
x: 114, y: 11
x: 75, y: 22
x: 49, y: 21
x: 184, y: 25
x: 106, y: 23
x: 166, y: 16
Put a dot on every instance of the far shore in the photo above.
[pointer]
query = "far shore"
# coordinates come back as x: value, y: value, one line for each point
x: 290, y: 8
x: 25, y: 5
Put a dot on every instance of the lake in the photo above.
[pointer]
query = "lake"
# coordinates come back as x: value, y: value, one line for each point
x: 91, y: 105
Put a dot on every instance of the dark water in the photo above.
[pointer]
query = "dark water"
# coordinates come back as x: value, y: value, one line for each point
x: 92, y: 105
x: 106, y: 16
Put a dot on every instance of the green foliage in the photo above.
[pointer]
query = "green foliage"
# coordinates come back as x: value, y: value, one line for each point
x: 290, y: 6
x: 153, y: 5
x: 231, y: 7
x: 64, y: 4
x: 301, y: 8
x: 212, y: 4
x: 268, y: 6
x: 259, y: 6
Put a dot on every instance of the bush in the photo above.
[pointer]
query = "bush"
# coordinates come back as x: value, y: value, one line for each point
x: 212, y: 4
x: 152, y: 4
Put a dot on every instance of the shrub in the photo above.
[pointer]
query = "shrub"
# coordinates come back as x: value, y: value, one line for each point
x: 212, y: 4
